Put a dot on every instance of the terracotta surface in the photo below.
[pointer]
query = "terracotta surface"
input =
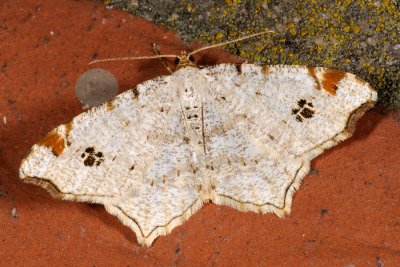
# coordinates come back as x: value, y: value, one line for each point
x: 345, y: 213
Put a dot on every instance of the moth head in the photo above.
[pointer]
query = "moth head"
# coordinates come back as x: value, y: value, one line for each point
x: 185, y: 60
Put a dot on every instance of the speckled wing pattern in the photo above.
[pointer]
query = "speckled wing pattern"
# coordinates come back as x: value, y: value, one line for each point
x: 238, y: 135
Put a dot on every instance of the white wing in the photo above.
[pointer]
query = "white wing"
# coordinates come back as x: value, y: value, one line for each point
x: 263, y: 126
x: 251, y: 134
x: 129, y: 155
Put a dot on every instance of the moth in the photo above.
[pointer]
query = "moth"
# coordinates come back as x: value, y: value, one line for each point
x: 241, y: 135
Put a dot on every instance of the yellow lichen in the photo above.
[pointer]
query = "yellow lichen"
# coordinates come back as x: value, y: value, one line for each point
x: 219, y: 36
x: 190, y: 8
x: 292, y: 28
x: 356, y: 29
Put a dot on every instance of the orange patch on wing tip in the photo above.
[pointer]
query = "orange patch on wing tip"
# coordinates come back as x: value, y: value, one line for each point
x: 330, y: 79
x: 311, y: 70
x: 54, y: 141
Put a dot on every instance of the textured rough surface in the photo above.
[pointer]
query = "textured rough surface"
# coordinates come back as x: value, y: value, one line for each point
x: 346, y: 212
x: 240, y: 135
x: 361, y: 37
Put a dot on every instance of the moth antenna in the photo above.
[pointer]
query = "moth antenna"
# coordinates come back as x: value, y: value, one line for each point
x: 175, y: 56
x: 130, y: 58
x: 229, y: 42
x: 164, y: 61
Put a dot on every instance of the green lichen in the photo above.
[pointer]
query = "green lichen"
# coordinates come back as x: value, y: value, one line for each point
x: 359, y: 36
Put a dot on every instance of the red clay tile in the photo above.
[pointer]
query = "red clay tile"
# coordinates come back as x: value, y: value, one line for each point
x: 346, y: 212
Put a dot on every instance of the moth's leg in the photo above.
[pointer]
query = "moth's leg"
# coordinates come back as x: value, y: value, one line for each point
x: 156, y: 50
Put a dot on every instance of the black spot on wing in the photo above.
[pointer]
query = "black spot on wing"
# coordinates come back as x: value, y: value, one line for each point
x: 304, y: 110
x: 301, y: 102
x: 89, y: 150
x: 89, y: 161
x: 298, y: 118
x: 307, y: 113
x: 91, y: 157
